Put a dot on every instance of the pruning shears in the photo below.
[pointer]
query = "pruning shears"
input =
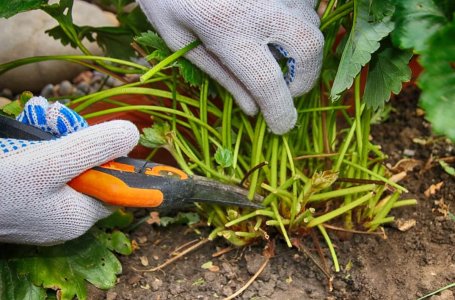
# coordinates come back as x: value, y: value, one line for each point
x: 137, y: 183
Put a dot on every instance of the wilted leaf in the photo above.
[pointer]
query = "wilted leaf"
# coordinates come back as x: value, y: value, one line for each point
x: 438, y: 81
x: 416, y: 21
x: 433, y: 189
x: 387, y: 71
x: 363, y: 40
x: 404, y: 224
x: 154, y: 218
x: 12, y: 7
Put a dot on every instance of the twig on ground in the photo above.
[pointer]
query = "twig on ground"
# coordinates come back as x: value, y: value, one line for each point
x: 223, y: 251
x: 179, y: 255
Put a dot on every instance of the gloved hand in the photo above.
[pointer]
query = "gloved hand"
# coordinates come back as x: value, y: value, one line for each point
x: 237, y: 37
x: 36, y: 205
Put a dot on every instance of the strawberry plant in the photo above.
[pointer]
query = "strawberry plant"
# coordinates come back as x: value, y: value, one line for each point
x: 324, y: 175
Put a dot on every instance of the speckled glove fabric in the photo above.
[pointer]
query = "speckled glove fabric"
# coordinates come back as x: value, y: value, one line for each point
x: 36, y: 205
x: 237, y: 37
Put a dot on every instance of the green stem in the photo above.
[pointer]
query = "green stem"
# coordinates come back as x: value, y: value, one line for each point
x: 204, y: 118
x: 260, y: 212
x: 331, y: 248
x: 72, y: 58
x: 337, y: 15
x: 280, y: 222
x: 151, y: 108
x: 337, y: 212
x: 257, y: 154
x: 374, y: 175
x: 168, y: 60
x: 341, y: 192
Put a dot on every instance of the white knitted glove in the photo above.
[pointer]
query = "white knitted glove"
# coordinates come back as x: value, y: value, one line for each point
x: 36, y: 205
x: 236, y: 36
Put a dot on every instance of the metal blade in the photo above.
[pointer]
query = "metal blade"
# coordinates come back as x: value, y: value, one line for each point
x: 210, y: 191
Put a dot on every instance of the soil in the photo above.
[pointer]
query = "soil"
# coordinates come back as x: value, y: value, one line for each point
x: 406, y: 265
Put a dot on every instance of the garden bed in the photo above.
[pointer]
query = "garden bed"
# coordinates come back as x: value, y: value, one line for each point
x: 407, y: 265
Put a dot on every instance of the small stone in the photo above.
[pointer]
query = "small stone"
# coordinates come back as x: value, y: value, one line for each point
x: 111, y: 295
x: 65, y: 88
x: 209, y: 276
x: 85, y: 77
x: 134, y: 279
x: 4, y: 101
x: 156, y: 284
x: 409, y: 152
x: 7, y: 93
x: 84, y: 87
x: 48, y: 91
x: 226, y: 291
x: 113, y: 82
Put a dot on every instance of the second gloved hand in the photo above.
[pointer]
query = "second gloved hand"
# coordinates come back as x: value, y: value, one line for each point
x: 238, y: 38
x: 36, y: 204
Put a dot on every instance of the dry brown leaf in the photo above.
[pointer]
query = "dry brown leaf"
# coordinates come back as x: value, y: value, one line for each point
x: 406, y: 165
x: 404, y: 224
x: 154, y: 218
x: 214, y: 269
x: 398, y: 177
x: 433, y: 189
x: 134, y: 245
x: 141, y: 239
x: 443, y: 208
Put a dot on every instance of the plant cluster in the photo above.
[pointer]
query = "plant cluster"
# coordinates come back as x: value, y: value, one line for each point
x: 325, y: 174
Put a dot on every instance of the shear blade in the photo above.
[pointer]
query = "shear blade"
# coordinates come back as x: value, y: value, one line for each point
x: 211, y: 191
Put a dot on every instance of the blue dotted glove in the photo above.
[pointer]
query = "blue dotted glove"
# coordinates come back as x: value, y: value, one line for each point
x: 36, y: 204
x: 55, y: 118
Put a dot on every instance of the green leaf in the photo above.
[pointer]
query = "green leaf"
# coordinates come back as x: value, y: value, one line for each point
x: 115, y: 41
x: 416, y: 21
x: 438, y: 81
x: 156, y: 136
x: 363, y: 40
x: 186, y: 218
x: 190, y: 73
x: 115, y: 241
x: 12, y: 7
x: 387, y: 71
x: 449, y: 170
x: 224, y: 157
x: 14, y: 108
x: 119, y: 219
x: 65, y: 267
x: 152, y: 40
x: 17, y: 287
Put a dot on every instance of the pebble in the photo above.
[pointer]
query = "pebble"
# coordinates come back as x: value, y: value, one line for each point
x: 156, y: 284
x: 111, y: 296
x: 48, y: 91
x: 7, y: 93
x: 65, y: 88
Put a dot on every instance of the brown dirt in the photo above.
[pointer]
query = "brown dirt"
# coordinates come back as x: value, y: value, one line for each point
x: 406, y: 265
